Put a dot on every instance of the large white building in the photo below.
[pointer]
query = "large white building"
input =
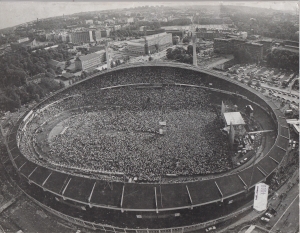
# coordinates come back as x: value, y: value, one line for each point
x: 90, y: 61
x: 150, y: 44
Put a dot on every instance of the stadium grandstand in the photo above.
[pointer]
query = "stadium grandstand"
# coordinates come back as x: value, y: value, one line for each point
x: 99, y: 193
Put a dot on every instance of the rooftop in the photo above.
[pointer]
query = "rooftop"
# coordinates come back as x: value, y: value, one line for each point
x: 54, y: 62
x: 88, y: 57
x: 142, y: 40
x: 234, y: 117
x: 295, y: 50
x: 255, y: 44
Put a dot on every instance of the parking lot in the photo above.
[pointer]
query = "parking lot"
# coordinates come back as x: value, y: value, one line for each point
x: 272, y: 82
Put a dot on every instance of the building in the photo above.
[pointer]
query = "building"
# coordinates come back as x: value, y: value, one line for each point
x: 65, y: 37
x: 236, y: 120
x: 156, y: 31
x: 236, y: 43
x: 159, y: 42
x: 135, y: 48
x: 81, y: 37
x: 228, y: 46
x: 209, y: 34
x: 287, y: 48
x: 142, y: 28
x: 21, y: 40
x: 90, y: 61
x: 35, y: 79
x: 29, y: 45
x: 267, y: 45
x: 117, y: 27
x: 291, y: 43
x: 98, y: 35
x: 150, y: 44
x: 175, y: 32
x: 255, y: 49
x: 56, y: 64
x: 223, y: 46
x: 90, y: 21
x: 130, y: 20
x: 49, y: 36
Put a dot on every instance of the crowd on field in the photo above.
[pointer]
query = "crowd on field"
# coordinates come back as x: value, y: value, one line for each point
x: 117, y: 130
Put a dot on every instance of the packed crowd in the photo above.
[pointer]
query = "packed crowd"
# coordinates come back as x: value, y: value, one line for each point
x: 121, y: 132
x: 122, y: 136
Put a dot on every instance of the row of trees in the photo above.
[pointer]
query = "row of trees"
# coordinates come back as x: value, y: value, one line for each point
x: 283, y: 59
x: 11, y: 98
x: 264, y: 25
x: 16, y: 69
x: 180, y: 54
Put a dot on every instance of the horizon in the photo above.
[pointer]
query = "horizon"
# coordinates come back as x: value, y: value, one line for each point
x: 19, y: 12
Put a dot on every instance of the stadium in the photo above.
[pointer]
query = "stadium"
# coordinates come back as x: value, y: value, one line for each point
x: 140, y: 147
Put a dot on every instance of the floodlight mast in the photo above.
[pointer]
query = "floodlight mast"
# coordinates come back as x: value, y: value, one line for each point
x: 256, y: 144
x: 107, y: 54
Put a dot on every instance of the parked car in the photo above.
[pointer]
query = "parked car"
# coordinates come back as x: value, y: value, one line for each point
x: 269, y: 215
x: 265, y: 219
x: 210, y: 229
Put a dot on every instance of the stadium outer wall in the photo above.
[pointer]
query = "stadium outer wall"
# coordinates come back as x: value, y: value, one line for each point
x: 276, y: 153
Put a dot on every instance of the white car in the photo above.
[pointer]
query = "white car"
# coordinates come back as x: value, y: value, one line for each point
x: 265, y: 219
x: 210, y: 229
x: 269, y: 215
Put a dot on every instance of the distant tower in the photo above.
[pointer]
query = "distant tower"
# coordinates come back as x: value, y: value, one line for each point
x: 107, y: 55
x: 194, y: 51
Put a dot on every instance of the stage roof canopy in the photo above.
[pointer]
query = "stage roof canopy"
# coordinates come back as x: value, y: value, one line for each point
x: 234, y: 117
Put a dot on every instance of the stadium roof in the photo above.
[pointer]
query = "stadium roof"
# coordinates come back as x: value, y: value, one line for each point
x: 143, y: 197
x: 234, y: 117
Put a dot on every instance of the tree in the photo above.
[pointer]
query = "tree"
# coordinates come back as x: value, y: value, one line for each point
x: 190, y: 50
x: 59, y: 70
x: 150, y: 58
x: 51, y: 71
x: 68, y: 63
x: 61, y: 84
x: 186, y: 40
x: 258, y: 84
x: 169, y: 53
x: 249, y: 83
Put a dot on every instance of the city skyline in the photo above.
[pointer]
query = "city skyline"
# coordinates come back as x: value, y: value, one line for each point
x: 15, y: 13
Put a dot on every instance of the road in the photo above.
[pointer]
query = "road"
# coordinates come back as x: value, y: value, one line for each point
x: 288, y: 221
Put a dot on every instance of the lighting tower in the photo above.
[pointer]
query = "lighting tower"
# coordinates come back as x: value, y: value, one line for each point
x: 194, y: 50
x: 107, y: 55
